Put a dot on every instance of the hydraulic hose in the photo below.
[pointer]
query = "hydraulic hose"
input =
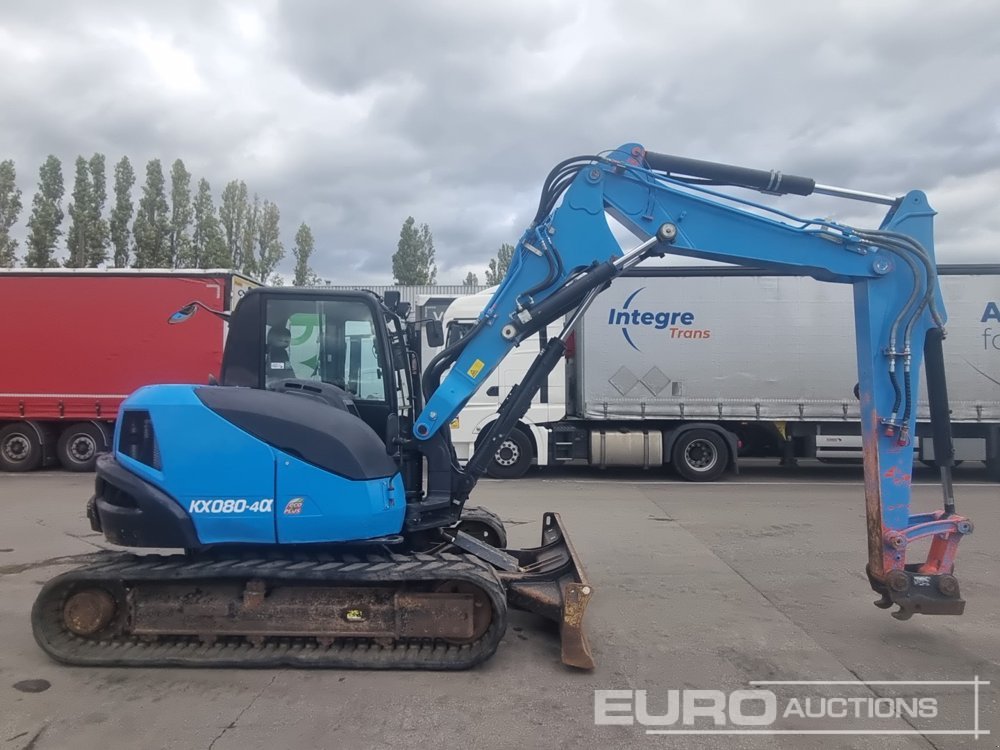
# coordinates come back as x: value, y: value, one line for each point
x: 910, y: 311
x: 898, y: 395
x: 906, y: 310
x: 558, y: 180
x: 568, y: 166
x: 554, y: 269
x: 914, y: 246
x: 908, y: 402
x: 905, y: 246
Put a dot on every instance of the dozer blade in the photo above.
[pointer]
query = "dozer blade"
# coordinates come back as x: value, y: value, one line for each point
x: 551, y: 582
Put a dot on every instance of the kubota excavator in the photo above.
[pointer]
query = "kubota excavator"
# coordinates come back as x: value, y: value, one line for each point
x: 313, y: 495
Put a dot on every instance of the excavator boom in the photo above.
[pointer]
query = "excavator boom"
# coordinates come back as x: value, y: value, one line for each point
x: 569, y: 254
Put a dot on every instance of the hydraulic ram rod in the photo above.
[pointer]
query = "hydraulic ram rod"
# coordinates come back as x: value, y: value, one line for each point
x: 767, y: 181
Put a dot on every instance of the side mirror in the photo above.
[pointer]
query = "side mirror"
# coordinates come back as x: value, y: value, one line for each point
x: 433, y: 333
x: 403, y: 309
x: 191, y: 308
x: 183, y: 314
x: 392, y: 298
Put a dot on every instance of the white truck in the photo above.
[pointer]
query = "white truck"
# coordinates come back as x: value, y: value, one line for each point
x: 692, y: 367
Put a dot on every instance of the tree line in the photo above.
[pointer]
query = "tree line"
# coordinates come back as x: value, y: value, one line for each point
x: 185, y: 231
x: 178, y: 226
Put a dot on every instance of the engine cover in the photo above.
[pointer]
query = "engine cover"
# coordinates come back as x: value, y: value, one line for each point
x: 250, y: 466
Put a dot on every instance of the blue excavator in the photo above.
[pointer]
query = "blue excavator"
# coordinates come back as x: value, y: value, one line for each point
x: 312, y: 495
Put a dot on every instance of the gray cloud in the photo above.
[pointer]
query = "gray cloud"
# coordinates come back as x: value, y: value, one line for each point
x: 353, y: 116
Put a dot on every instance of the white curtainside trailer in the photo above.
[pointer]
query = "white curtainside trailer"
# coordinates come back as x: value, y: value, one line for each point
x: 694, y: 367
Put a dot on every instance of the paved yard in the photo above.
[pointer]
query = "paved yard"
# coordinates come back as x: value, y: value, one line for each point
x: 697, y: 587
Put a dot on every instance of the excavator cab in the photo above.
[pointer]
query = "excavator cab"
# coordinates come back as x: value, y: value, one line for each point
x: 339, y: 339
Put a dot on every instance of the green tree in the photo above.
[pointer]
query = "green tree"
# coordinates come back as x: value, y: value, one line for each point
x: 232, y: 216
x: 97, y: 243
x: 81, y: 214
x: 303, y: 250
x: 248, y: 239
x: 10, y: 209
x: 46, y: 216
x: 413, y: 261
x: 180, y: 216
x: 471, y: 279
x: 152, y: 222
x: 499, y: 265
x: 208, y: 248
x: 427, y: 240
x: 270, y: 251
x: 121, y: 214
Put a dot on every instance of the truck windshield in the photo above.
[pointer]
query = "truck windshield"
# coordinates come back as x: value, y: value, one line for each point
x: 333, y: 341
x: 458, y: 330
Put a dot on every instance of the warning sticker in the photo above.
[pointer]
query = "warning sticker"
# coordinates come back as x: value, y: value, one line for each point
x: 477, y: 367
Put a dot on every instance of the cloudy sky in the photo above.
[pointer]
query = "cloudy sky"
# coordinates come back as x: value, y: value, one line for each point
x: 352, y: 116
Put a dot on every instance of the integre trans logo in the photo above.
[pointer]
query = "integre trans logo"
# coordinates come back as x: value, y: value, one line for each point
x: 991, y: 336
x: 674, y: 324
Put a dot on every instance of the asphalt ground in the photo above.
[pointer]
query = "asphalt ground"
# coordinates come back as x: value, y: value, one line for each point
x: 697, y: 587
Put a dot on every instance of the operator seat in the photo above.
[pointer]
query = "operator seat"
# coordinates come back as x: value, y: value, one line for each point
x: 335, y: 349
x: 279, y: 363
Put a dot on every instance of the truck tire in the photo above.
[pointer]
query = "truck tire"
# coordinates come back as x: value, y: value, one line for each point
x: 513, y: 458
x: 79, y: 445
x: 20, y: 448
x: 700, y: 455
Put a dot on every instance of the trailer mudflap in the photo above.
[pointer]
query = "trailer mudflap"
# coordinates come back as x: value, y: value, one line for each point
x: 551, y: 582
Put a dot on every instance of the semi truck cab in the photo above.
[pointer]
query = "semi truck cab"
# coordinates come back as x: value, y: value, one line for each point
x: 528, y: 444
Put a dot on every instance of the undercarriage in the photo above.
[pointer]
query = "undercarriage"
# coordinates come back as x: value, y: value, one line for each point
x: 373, y: 610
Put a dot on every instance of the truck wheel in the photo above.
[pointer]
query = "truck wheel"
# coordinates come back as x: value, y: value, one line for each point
x: 20, y: 448
x: 513, y: 457
x: 79, y: 445
x: 700, y: 455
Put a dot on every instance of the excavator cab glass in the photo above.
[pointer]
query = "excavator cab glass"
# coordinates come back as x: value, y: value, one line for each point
x: 333, y: 341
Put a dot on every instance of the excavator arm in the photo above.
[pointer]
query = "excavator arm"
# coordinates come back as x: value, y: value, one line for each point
x: 569, y: 254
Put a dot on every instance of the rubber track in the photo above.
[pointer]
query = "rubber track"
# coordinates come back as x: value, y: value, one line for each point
x: 235, y: 651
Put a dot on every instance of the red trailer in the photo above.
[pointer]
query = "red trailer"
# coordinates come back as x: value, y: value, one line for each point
x: 77, y: 342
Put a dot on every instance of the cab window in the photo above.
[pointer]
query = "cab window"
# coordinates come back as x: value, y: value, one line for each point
x: 333, y: 341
